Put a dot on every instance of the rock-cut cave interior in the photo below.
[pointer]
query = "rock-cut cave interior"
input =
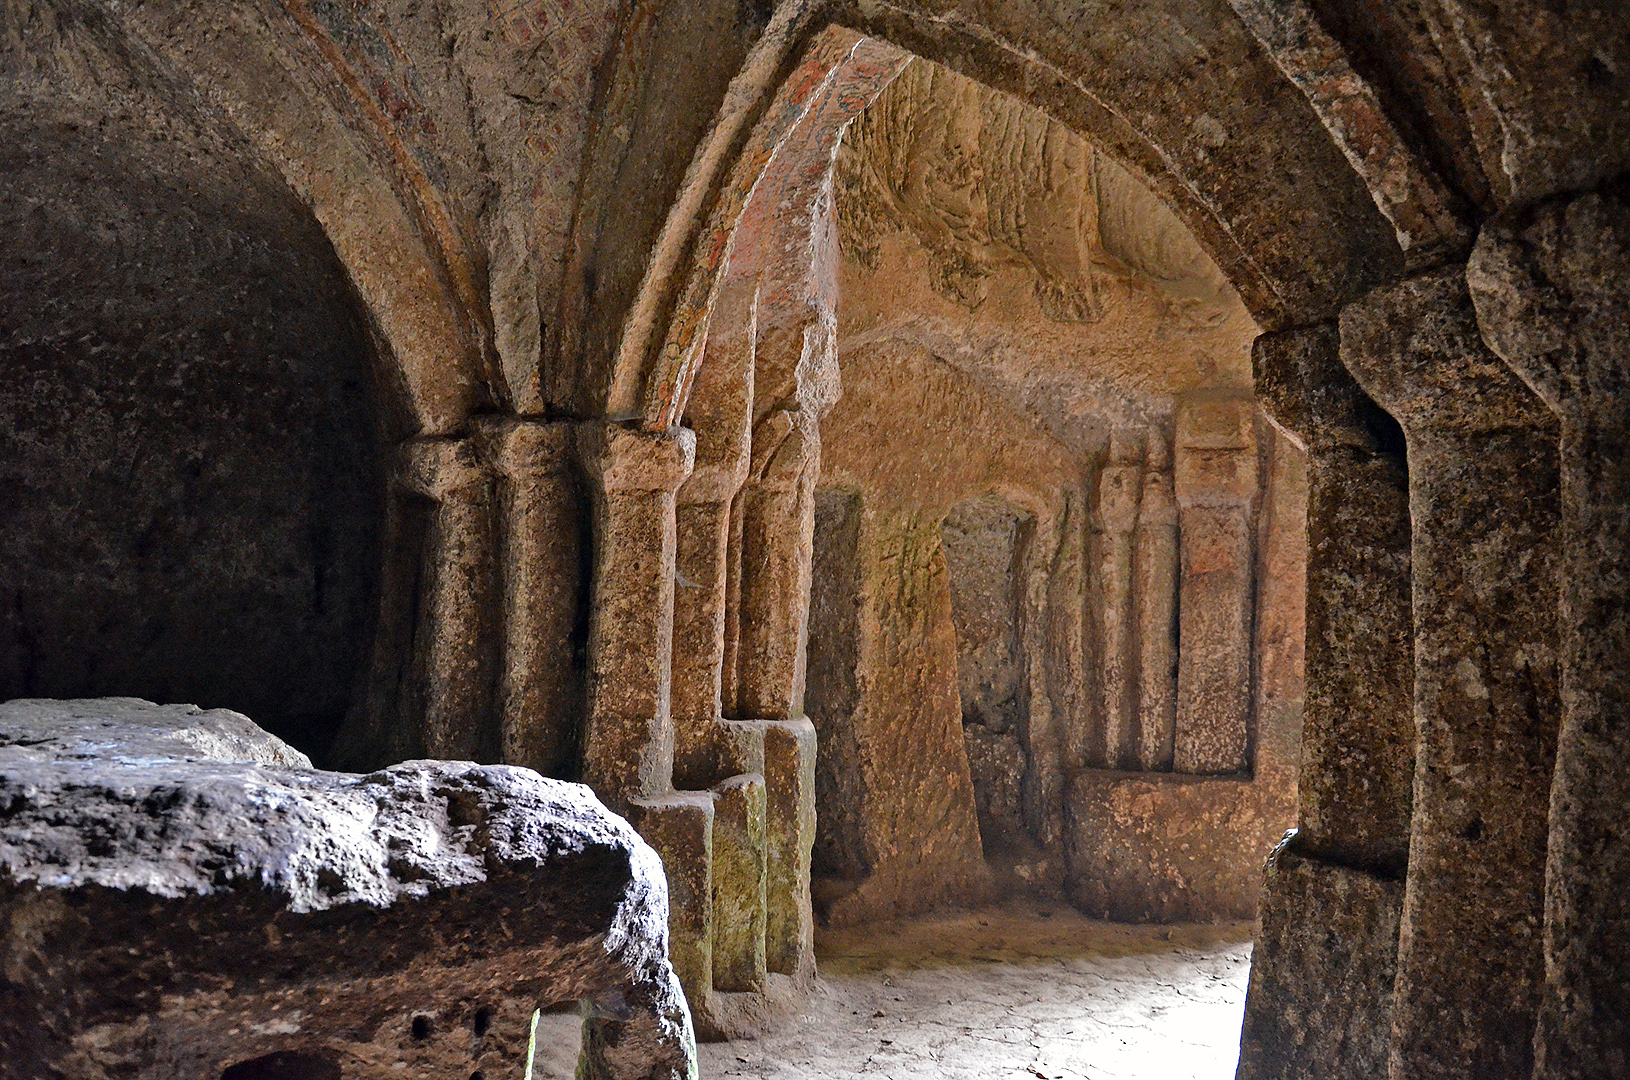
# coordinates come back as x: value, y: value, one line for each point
x: 673, y: 539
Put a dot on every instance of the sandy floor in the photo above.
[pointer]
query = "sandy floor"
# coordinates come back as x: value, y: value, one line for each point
x: 1010, y: 994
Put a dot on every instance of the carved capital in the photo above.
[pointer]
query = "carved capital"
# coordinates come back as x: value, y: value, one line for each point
x: 622, y: 459
x: 1552, y: 293
x: 1415, y: 347
x: 438, y: 468
x: 1308, y: 394
x: 1216, y: 462
x: 519, y: 448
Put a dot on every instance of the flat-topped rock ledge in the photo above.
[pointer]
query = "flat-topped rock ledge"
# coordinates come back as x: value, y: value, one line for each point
x: 182, y: 897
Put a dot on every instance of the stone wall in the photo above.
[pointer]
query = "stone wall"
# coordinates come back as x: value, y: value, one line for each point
x: 189, y: 418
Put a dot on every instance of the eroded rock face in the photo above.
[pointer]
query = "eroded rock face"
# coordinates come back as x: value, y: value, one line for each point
x: 184, y: 899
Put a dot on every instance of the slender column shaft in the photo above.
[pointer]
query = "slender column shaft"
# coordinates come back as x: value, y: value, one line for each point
x: 1216, y: 484
x: 701, y: 564
x: 453, y: 659
x: 777, y: 546
x: 1156, y: 589
x: 1553, y: 297
x: 1117, y: 517
x: 540, y: 687
x: 628, y: 739
x: 1483, y: 508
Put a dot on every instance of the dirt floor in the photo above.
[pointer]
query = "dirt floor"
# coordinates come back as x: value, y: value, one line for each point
x: 1022, y: 992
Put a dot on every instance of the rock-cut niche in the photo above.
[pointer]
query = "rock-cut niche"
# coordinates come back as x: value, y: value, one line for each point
x: 190, y: 486
x: 986, y: 543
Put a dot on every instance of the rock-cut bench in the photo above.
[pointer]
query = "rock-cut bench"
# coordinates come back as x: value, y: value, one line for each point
x: 182, y: 897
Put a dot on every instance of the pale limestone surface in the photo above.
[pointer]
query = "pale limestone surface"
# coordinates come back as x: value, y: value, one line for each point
x: 1010, y: 994
x: 999, y: 994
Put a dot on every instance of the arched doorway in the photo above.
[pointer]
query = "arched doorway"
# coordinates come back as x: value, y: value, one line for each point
x: 188, y: 435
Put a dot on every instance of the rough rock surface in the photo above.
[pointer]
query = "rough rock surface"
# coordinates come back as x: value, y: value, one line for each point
x: 1552, y: 295
x: 178, y: 902
x: 46, y: 730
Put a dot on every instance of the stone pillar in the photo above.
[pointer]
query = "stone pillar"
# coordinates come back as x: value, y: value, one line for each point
x: 1552, y: 291
x: 1322, y: 973
x: 1155, y: 585
x: 452, y: 655
x: 777, y: 546
x: 1483, y: 506
x: 777, y: 543
x: 1069, y: 681
x: 1216, y: 483
x: 1118, y: 483
x: 700, y: 594
x: 628, y: 738
x: 540, y: 553
x: 789, y: 788
x: 739, y: 884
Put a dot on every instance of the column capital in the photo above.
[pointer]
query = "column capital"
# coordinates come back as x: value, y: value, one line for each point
x: 1215, y: 458
x: 713, y: 483
x: 519, y: 447
x: 1304, y: 389
x: 438, y: 467
x: 1415, y: 347
x: 1551, y: 286
x: 624, y: 459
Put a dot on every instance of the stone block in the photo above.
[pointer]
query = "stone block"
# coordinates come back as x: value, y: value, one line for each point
x: 680, y: 827
x: 738, y: 884
x: 1169, y: 847
x: 185, y: 904
x: 1319, y: 1005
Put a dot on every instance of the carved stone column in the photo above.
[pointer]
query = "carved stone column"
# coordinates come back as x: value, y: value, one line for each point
x: 1483, y: 506
x: 431, y: 678
x: 777, y: 541
x: 452, y: 658
x: 777, y: 545
x: 701, y: 564
x: 1118, y: 483
x: 1216, y: 485
x: 628, y: 738
x: 1155, y: 585
x: 1322, y: 972
x: 1553, y: 298
x: 540, y: 504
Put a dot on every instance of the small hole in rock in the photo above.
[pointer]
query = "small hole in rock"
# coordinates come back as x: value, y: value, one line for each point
x: 483, y: 1021
x: 478, y: 1076
x: 286, y: 1065
x: 422, y: 1027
